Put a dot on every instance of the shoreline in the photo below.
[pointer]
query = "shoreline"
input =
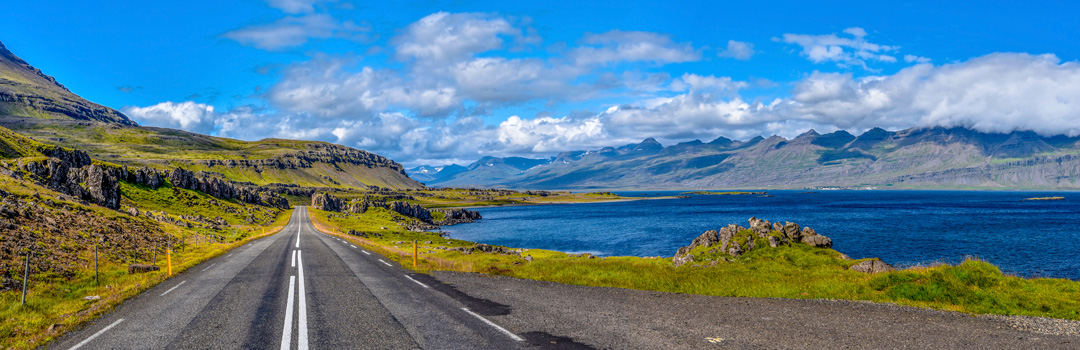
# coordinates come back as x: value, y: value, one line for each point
x: 620, y: 200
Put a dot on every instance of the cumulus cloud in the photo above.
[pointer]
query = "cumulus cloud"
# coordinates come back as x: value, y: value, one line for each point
x: 916, y: 59
x: 190, y: 116
x: 290, y: 32
x: 451, y: 37
x: 738, y: 50
x: 849, y: 50
x: 621, y: 46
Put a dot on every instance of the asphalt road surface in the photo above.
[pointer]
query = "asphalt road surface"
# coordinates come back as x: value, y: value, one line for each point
x: 303, y: 289
x: 299, y: 289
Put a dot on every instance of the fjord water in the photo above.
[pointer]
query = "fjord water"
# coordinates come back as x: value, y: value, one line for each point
x: 1026, y: 238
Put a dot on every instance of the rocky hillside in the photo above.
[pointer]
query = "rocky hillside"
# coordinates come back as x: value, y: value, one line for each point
x: 912, y: 158
x: 37, y: 106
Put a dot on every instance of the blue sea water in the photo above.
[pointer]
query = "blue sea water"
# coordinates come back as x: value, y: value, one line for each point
x: 1026, y: 238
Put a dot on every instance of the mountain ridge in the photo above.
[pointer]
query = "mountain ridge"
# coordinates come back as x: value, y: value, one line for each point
x: 928, y: 157
x: 37, y: 106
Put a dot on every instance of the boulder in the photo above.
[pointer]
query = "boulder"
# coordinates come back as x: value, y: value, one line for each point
x: 792, y: 231
x: 872, y: 266
x: 140, y: 268
x: 682, y: 260
x: 817, y: 241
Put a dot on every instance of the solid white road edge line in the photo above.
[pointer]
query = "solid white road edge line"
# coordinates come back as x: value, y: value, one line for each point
x: 208, y: 267
x: 96, y: 334
x: 492, y: 324
x: 301, y: 339
x: 174, y: 287
x: 386, y: 263
x: 286, y: 333
x: 417, y: 282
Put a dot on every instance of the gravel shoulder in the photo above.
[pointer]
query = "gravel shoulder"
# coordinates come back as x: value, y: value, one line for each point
x: 613, y: 318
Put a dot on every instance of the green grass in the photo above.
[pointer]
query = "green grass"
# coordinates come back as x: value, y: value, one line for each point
x: 796, y: 271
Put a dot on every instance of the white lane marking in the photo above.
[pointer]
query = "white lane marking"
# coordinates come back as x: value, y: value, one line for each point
x: 230, y: 254
x: 301, y: 339
x: 353, y: 246
x: 512, y: 335
x: 286, y: 333
x: 417, y: 282
x: 365, y: 252
x: 294, y: 258
x: 208, y: 267
x: 79, y: 345
x: 387, y: 264
x: 174, y: 287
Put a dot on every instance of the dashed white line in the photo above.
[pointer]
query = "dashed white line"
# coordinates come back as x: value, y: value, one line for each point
x: 417, y: 282
x: 294, y: 258
x: 208, y: 267
x: 352, y: 246
x: 79, y: 345
x: 492, y: 324
x: 365, y: 252
x: 174, y: 287
x: 286, y: 333
x: 230, y: 254
x: 387, y: 264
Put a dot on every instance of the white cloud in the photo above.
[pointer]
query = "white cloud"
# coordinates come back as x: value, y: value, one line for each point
x: 916, y: 59
x: 294, y: 6
x: 844, y: 51
x: 290, y: 32
x: 619, y: 46
x: 452, y: 37
x: 190, y: 116
x: 738, y: 50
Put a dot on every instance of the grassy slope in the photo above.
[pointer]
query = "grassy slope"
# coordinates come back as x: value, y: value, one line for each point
x: 798, y: 271
x: 167, y: 148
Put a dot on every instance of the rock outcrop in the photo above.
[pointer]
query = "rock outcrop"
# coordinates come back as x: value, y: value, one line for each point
x: 733, y: 240
x: 326, y: 202
x: 872, y: 266
x: 216, y: 187
x: 73, y: 173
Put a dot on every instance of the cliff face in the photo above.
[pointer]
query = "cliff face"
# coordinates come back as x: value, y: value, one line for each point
x: 929, y: 157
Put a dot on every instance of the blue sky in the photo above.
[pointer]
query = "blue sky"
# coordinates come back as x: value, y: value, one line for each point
x: 451, y: 81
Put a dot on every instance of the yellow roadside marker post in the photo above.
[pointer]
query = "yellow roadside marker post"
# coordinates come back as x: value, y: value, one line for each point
x: 168, y: 260
x: 414, y: 254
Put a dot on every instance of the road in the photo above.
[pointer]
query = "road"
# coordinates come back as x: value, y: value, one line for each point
x: 298, y: 289
x: 302, y: 289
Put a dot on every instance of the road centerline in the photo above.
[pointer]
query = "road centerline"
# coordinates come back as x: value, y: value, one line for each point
x: 302, y: 337
x: 286, y: 332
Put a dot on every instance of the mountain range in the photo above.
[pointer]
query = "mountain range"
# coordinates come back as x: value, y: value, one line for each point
x: 934, y: 157
x: 35, y: 105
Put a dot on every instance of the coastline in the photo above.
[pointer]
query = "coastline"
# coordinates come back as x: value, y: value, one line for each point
x: 620, y: 200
